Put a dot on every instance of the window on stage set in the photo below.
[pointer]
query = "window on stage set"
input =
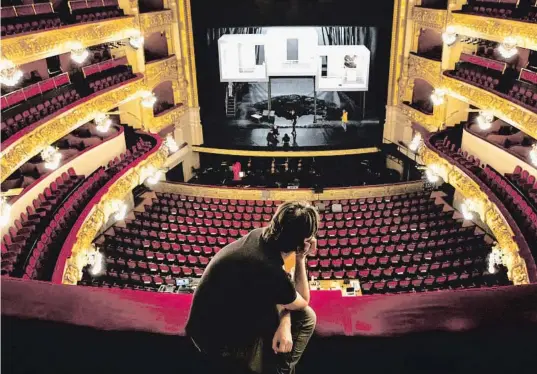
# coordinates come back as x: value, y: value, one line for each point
x: 324, y: 66
x: 246, y: 58
x: 292, y: 49
x: 259, y: 54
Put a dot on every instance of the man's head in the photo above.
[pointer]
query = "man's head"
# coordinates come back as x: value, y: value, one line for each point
x: 293, y: 223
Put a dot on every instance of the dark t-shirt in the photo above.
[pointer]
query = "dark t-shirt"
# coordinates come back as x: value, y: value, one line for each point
x: 235, y: 301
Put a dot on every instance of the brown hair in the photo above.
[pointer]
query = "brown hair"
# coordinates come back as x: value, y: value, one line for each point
x: 293, y: 222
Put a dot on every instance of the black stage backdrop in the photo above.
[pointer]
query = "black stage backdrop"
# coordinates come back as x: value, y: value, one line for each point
x: 362, y: 22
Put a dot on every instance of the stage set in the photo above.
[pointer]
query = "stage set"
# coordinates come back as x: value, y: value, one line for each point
x: 289, y: 87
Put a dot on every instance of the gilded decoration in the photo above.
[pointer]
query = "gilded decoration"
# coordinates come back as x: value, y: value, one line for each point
x: 284, y: 194
x: 426, y: 69
x: 187, y: 52
x: 495, y: 29
x: 161, y: 71
x: 98, y: 216
x: 506, y: 110
x: 488, y: 211
x: 152, y: 21
x: 35, y: 46
x: 430, y: 18
x: 429, y: 121
x: 12, y: 157
x: 169, y: 117
x: 237, y: 152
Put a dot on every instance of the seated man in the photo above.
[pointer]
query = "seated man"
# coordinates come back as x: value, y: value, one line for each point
x: 246, y: 315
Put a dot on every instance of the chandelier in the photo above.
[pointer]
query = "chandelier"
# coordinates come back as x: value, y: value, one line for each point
x: 10, y: 74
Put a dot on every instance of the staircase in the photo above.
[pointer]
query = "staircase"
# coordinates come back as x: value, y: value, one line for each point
x: 231, y: 106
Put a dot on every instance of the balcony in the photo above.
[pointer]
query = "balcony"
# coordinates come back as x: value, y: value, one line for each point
x: 162, y: 120
x: 161, y: 70
x: 425, y: 68
x: 154, y: 21
x: 431, y: 122
x: 501, y: 107
x: 430, y: 18
x: 73, y: 116
x: 30, y: 47
x: 495, y: 29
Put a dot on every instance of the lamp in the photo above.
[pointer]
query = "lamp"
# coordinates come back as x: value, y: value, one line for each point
x: 533, y: 154
x: 120, y: 209
x: 468, y: 209
x: 10, y: 74
x: 137, y: 40
x: 79, y: 54
x: 148, y: 99
x: 5, y: 211
x: 484, y: 120
x: 432, y: 174
x: 52, y: 157
x: 171, y: 144
x: 155, y: 177
x: 102, y: 122
x: 415, y: 142
x: 495, y: 258
x: 95, y: 260
x: 449, y: 36
x: 437, y: 97
x: 508, y: 48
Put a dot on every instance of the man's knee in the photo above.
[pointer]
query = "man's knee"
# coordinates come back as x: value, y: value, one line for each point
x: 306, y: 317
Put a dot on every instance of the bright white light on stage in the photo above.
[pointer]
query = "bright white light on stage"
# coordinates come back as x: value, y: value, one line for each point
x: 508, y: 48
x: 52, y: 157
x: 416, y: 142
x: 449, y: 36
x: 468, y: 209
x: 5, y: 211
x: 437, y: 97
x: 533, y: 154
x: 96, y: 260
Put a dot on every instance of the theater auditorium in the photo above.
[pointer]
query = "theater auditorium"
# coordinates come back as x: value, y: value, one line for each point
x: 142, y: 138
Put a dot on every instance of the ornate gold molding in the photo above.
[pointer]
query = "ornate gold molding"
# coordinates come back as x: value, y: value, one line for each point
x: 13, y: 156
x: 171, y: 116
x: 495, y: 29
x: 187, y: 51
x: 508, y: 111
x: 284, y: 194
x: 431, y: 122
x: 35, y: 46
x: 426, y: 69
x: 430, y: 18
x: 238, y: 152
x: 161, y: 71
x: 100, y: 212
x: 488, y: 211
x: 153, y: 21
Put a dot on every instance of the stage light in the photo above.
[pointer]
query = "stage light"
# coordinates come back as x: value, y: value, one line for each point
x: 171, y: 144
x: 437, y: 97
x: 5, y: 211
x: 416, y: 142
x: 79, y: 54
x: 10, y: 74
x: 468, y: 209
x: 137, y: 40
x: 484, y: 120
x: 508, y: 48
x: 102, y: 122
x: 52, y: 157
x: 148, y: 99
x: 449, y: 36
x: 495, y: 258
x: 533, y: 154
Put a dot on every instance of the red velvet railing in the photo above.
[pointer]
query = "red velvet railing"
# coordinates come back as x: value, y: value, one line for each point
x: 523, y: 247
x: 20, y: 134
x: 103, y: 66
x: 484, y: 62
x: 528, y: 75
x: 72, y: 237
x: 39, y: 88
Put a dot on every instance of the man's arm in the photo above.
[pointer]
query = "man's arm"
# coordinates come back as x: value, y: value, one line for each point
x: 301, y: 278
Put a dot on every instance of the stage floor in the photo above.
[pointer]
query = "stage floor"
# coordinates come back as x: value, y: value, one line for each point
x: 331, y: 135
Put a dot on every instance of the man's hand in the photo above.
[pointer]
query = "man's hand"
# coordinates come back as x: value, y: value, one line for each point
x: 310, y: 246
x: 283, y: 340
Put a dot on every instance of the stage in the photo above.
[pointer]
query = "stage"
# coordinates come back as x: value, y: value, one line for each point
x: 243, y: 134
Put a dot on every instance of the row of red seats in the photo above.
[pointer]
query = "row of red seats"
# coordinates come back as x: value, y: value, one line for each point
x: 28, y: 18
x: 94, y: 10
x: 524, y: 93
x: 474, y: 74
x: 526, y: 183
x: 109, y: 78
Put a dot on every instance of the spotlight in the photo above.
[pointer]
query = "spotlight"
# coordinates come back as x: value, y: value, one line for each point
x: 508, y: 48
x: 171, y: 144
x: 136, y: 41
x: 449, y: 36
x: 5, y: 211
x: 102, y: 122
x: 437, y: 97
x: 10, y: 74
x: 415, y: 143
x: 484, y: 120
x: 148, y: 99
x: 533, y: 154
x: 79, y: 54
x: 52, y: 157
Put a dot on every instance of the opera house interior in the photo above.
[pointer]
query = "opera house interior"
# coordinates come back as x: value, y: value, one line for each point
x: 139, y: 138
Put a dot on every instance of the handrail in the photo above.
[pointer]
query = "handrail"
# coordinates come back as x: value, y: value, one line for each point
x: 67, y: 247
